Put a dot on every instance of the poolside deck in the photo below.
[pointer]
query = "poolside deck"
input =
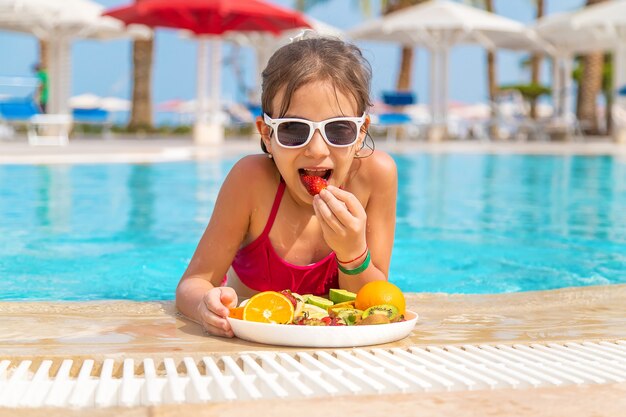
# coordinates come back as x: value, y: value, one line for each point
x: 120, y: 329
x: 135, y: 150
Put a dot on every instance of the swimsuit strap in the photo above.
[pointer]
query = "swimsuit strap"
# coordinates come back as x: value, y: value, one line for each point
x: 277, y: 199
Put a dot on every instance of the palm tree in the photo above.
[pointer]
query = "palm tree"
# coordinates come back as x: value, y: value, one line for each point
x: 492, y: 82
x: 403, y: 82
x: 141, y: 113
x: 607, y: 84
x: 589, y: 87
x: 535, y: 61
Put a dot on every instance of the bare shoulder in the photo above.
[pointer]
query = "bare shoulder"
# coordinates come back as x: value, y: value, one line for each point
x: 379, y: 169
x: 253, y: 170
x: 374, y: 180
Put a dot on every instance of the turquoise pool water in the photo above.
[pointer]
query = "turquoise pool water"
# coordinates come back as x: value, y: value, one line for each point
x: 466, y: 224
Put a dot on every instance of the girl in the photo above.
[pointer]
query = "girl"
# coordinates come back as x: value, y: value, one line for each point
x: 272, y: 228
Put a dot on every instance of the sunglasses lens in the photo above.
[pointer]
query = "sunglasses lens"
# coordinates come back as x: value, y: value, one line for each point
x: 341, y: 132
x: 293, y: 133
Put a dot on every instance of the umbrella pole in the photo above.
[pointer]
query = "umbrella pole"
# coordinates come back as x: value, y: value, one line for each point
x: 207, y: 128
x: 436, y: 132
x: 619, y: 82
x: 65, y: 69
x: 557, y: 87
x: 263, y: 53
x: 53, y: 75
x: 567, y: 83
x: 432, y: 87
x: 444, y: 71
x: 59, y: 73
x: 200, y: 123
x: 216, y: 86
x: 201, y: 81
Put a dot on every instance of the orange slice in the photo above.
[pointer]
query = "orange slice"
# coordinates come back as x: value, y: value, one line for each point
x: 236, y: 313
x: 269, y: 307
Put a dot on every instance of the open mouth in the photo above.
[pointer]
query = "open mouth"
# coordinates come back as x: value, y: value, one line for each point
x: 315, y: 180
x: 322, y: 173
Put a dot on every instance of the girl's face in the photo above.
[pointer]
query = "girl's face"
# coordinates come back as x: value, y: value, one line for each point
x: 316, y: 102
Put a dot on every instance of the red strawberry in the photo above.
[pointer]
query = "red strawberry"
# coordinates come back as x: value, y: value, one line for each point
x: 314, y: 184
x: 287, y: 293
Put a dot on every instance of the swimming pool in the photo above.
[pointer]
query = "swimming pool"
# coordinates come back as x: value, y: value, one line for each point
x: 466, y: 224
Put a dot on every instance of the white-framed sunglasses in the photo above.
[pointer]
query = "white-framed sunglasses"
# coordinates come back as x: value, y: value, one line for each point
x: 295, y: 133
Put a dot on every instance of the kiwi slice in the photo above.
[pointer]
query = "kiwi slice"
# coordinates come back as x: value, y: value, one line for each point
x: 391, y: 312
x: 349, y: 316
x: 373, y: 319
x: 335, y: 311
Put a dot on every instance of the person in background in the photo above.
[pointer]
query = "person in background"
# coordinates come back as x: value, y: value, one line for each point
x: 41, y: 93
x: 317, y: 210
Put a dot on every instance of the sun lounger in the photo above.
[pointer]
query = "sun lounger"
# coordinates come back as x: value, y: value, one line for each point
x: 49, y: 129
x: 512, y: 120
x: 42, y: 129
x: 18, y: 110
x: 15, y: 112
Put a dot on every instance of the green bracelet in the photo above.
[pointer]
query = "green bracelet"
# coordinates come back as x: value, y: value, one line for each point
x: 359, y: 268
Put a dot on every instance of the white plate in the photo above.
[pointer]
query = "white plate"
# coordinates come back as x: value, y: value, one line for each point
x: 323, y: 336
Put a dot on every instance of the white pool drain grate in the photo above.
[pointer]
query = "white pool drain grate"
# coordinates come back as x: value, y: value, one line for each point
x: 266, y: 375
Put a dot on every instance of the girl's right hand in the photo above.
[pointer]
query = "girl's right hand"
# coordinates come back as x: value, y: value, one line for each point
x: 214, y: 309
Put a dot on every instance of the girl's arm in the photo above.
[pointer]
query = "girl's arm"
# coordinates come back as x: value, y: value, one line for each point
x: 373, y: 226
x: 222, y: 238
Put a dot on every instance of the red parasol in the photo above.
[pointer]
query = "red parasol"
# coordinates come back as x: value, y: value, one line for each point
x: 211, y: 17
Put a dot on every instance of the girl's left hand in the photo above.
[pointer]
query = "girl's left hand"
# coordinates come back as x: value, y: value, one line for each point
x: 343, y: 220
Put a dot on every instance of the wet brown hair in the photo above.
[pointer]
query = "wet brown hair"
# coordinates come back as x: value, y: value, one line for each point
x: 316, y: 59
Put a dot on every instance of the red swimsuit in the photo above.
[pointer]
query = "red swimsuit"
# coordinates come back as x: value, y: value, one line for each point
x: 259, y: 267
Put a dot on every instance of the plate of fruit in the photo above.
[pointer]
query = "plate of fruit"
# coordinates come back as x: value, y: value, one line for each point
x: 375, y: 315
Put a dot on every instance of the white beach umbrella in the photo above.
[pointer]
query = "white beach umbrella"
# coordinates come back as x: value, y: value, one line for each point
x: 440, y: 25
x: 601, y: 27
x: 610, y: 13
x: 564, y: 35
x: 115, y: 104
x: 92, y: 101
x: 59, y: 23
x: 444, y: 21
x: 85, y: 101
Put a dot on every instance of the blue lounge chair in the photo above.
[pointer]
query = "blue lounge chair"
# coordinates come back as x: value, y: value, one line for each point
x: 399, y: 98
x: 396, y: 119
x: 96, y: 116
x: 17, y: 110
x: 42, y: 129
